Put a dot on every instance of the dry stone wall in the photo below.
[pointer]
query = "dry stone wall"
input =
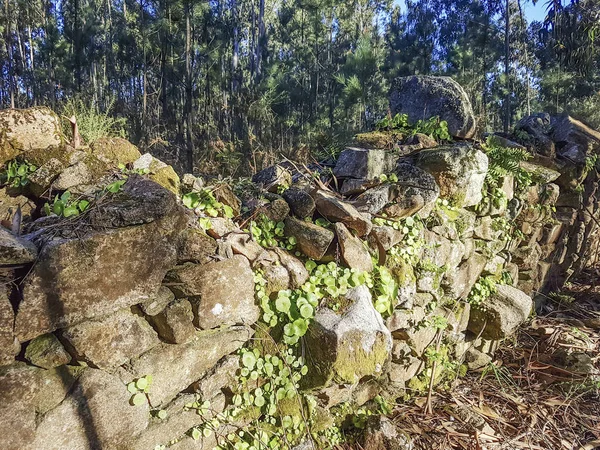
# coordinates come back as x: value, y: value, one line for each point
x: 161, y: 309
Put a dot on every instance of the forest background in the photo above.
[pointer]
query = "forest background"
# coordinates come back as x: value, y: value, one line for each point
x: 229, y: 86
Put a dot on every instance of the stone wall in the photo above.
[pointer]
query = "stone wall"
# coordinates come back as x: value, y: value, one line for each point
x: 133, y: 320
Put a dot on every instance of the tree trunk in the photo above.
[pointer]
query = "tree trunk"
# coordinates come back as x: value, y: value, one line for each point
x: 507, y: 66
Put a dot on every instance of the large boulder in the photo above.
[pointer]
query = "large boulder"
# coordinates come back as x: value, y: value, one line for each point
x: 459, y: 170
x: 115, y: 150
x: 574, y: 140
x: 221, y: 293
x: 343, y: 348
x: 422, y: 97
x: 22, y: 130
x: 95, y: 272
x: 501, y: 314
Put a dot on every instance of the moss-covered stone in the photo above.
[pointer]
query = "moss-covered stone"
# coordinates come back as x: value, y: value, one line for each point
x: 378, y: 139
x: 115, y: 150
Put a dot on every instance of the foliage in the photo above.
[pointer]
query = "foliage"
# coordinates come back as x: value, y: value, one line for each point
x: 139, y: 389
x: 483, y: 288
x: 269, y: 233
x: 505, y: 161
x: 385, y: 290
x: 411, y: 228
x: 17, y: 173
x: 65, y: 205
x: 205, y: 202
x: 433, y: 127
x: 92, y: 123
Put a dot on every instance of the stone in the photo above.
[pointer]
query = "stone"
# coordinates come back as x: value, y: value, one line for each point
x: 112, y: 340
x: 476, y: 359
x: 44, y: 176
x: 484, y: 229
x: 223, y: 375
x: 400, y: 373
x: 24, y: 130
x: 15, y: 250
x: 345, y: 348
x: 354, y: 252
x: 275, y: 274
x: 10, y: 204
x: 459, y: 171
x: 312, y: 240
x: 385, y: 237
x: 373, y: 200
x: 9, y: 346
x: 224, y: 194
x: 221, y: 293
x: 538, y: 126
x: 273, y: 178
x: 139, y: 201
x: 381, y: 434
x: 443, y: 252
x: 363, y: 163
x: 174, y: 323
x: 422, y: 97
x: 276, y: 210
x: 295, y: 268
x: 417, y: 338
x: 405, y: 318
x: 377, y: 139
x: 191, y: 183
x: 461, y: 281
x: 195, y: 246
x: 574, y: 139
x: 220, y: 227
x: 83, y: 173
x: 95, y: 415
x: 540, y: 172
x: 414, y: 191
x: 175, y: 367
x: 47, y: 352
x: 417, y: 141
x: 336, y: 210
x: 95, y: 273
x: 158, y: 172
x: 242, y: 244
x: 501, y: 314
x: 354, y: 186
x: 115, y: 151
x: 157, y: 303
x: 54, y: 385
x: 301, y: 203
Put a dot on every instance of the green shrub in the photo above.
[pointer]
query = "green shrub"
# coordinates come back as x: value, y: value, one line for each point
x: 93, y: 124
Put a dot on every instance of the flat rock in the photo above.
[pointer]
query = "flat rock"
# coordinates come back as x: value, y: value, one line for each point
x: 174, y: 323
x: 354, y: 252
x: 15, y: 250
x: 115, y: 150
x: 336, y: 210
x: 312, y: 240
x: 221, y: 293
x: 273, y: 178
x: 363, y: 163
x: 175, y: 367
x: 158, y: 302
x: 47, y: 352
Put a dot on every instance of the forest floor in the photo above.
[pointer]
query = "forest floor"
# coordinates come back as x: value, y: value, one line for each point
x: 525, y: 399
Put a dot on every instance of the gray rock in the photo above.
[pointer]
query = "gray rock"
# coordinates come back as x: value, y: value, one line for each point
x: 476, y: 359
x: 301, y: 203
x: 47, y: 352
x: 354, y: 252
x: 42, y: 178
x: 575, y: 139
x: 415, y: 191
x: 111, y: 341
x: 336, y: 210
x: 443, y: 252
x: 345, y: 348
x: 191, y: 183
x: 423, y: 97
x: 417, y: 338
x: 501, y: 314
x: 546, y: 174
x: 220, y: 227
x: 296, y: 270
x: 83, y: 173
x: 174, y: 323
x: 243, y: 244
x: 274, y: 177
x: 163, y: 297
x: 381, y: 434
x: 54, y: 385
x: 460, y: 282
x: 15, y: 250
x: 385, y: 237
x: 275, y: 274
x: 405, y: 318
x: 221, y: 293
x: 9, y: 346
x: 77, y: 278
x: 400, y: 373
x: 312, y: 240
x: 354, y: 186
x: 538, y: 126
x: 373, y: 200
x: 195, y: 246
x: 221, y: 376
x: 363, y: 163
x: 95, y: 415
x: 459, y: 171
x: 175, y: 367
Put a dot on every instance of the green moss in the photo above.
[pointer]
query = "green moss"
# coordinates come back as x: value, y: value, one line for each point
x: 354, y: 361
x: 377, y: 139
x: 402, y: 271
x: 166, y: 177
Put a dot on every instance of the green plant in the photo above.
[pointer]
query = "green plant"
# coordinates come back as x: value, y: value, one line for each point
x: 66, y: 206
x: 92, y: 123
x: 115, y: 186
x: 433, y: 127
x: 17, y: 173
x: 269, y: 233
x: 139, y: 389
x: 411, y: 228
x: 385, y: 289
x: 205, y: 202
x: 505, y: 161
x: 483, y: 288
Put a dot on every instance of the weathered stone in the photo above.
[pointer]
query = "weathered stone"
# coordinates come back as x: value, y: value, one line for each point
x: 422, y: 97
x: 373, y: 200
x: 174, y: 323
x: 95, y: 415
x: 363, y: 163
x: 273, y: 178
x: 418, y: 141
x: 220, y: 292
x: 336, y: 210
x: 15, y: 250
x: 381, y: 434
x: 405, y: 318
x: 540, y: 172
x: 27, y: 129
x: 415, y: 190
x: 464, y: 277
x: 476, y: 359
x: 156, y: 304
x: 111, y: 341
x: 538, y: 125
x: 223, y: 375
x: 345, y: 348
x: 377, y: 139
x: 277, y: 209
x: 195, y: 246
x: 443, y: 252
x: 242, y: 244
x: 100, y: 272
x: 484, y: 229
x: 47, y: 352
x: 300, y: 202
x: 220, y: 227
x: 175, y: 367
x: 400, y: 373
x: 501, y: 314
x: 354, y: 186
x: 224, y: 194
x: 417, y: 338
x: 158, y: 172
x: 575, y: 140
x: 9, y: 205
x: 9, y: 346
x: 115, y: 150
x: 296, y: 270
x: 385, y: 237
x: 312, y: 240
x: 354, y: 252
x: 54, y: 385
x: 275, y: 274
x: 459, y: 170
x: 191, y: 183
x: 84, y: 172
x: 44, y: 176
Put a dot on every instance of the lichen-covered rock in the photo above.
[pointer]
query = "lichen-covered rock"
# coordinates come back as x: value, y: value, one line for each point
x: 363, y: 163
x: 195, y: 246
x: 175, y: 367
x: 220, y: 292
x: 460, y: 281
x: 373, y: 200
x: 9, y: 346
x: 47, y: 352
x: 115, y: 150
x: 540, y: 172
x: 501, y: 314
x: 381, y: 434
x: 476, y: 359
x: 11, y: 203
x: 96, y: 414
x: 538, y: 126
x: 242, y: 244
x: 96, y: 273
x: 22, y: 130
x: 158, y: 172
x: 301, y: 203
x: 385, y: 237
x: 353, y: 250
x: 111, y: 341
x: 423, y: 97
x: 158, y: 302
x: 354, y: 186
x: 273, y: 178
x: 224, y: 194
x: 44, y: 176
x: 295, y: 268
x: 79, y: 176
x: 312, y: 240
x: 415, y: 192
x: 345, y: 348
x: 15, y: 250
x: 459, y: 171
x: 336, y: 210
x: 174, y: 323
